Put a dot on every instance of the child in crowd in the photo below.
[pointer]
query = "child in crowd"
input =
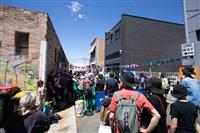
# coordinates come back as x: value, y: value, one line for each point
x: 40, y: 97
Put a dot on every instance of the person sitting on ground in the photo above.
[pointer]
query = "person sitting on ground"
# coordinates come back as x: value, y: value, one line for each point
x: 183, y: 113
x: 27, y: 119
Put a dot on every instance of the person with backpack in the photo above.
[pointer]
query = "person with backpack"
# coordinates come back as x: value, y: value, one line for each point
x: 155, y: 96
x: 165, y: 84
x: 125, y: 108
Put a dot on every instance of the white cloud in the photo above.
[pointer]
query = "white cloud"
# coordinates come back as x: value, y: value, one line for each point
x: 81, y: 16
x: 75, y: 8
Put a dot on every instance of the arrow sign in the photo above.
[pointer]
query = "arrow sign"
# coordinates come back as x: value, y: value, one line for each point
x: 187, y: 49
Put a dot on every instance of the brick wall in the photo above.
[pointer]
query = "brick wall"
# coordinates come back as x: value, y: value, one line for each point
x: 146, y: 40
x: 143, y: 40
x: 55, y: 52
x: 22, y: 70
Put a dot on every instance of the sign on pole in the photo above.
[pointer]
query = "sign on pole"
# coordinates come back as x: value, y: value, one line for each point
x: 187, y: 61
x: 187, y: 49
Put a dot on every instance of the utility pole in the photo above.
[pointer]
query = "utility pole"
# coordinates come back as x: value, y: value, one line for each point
x: 192, y: 27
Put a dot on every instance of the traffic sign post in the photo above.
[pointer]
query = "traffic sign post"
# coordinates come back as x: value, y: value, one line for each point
x: 188, y: 54
x: 187, y: 61
x: 188, y: 49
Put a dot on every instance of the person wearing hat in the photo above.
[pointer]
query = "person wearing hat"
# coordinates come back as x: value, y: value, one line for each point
x: 155, y: 96
x: 111, y: 85
x: 183, y: 113
x: 126, y: 92
x: 191, y: 85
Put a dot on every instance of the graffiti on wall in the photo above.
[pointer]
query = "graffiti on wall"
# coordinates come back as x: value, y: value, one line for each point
x: 22, y: 74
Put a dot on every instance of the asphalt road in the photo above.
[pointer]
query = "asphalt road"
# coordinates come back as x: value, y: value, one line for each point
x: 88, y: 124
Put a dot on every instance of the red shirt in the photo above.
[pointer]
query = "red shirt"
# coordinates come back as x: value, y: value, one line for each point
x: 141, y: 102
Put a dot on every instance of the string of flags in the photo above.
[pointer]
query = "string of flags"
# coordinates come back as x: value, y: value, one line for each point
x: 153, y: 62
x: 79, y: 68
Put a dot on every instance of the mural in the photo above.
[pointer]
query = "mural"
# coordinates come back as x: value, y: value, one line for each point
x: 8, y: 75
x: 22, y: 74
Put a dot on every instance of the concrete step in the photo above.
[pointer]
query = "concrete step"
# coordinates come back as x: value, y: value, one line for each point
x: 67, y: 124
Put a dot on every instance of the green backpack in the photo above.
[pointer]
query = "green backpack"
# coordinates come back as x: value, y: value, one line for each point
x: 127, y: 113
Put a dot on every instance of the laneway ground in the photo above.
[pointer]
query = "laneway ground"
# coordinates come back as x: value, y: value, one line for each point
x: 67, y: 124
x: 88, y: 124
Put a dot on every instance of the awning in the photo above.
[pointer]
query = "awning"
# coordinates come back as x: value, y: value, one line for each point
x: 92, y: 48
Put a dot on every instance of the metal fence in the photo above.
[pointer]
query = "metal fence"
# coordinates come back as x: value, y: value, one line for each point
x: 171, y: 76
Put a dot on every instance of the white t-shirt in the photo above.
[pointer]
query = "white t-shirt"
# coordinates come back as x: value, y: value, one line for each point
x: 40, y: 96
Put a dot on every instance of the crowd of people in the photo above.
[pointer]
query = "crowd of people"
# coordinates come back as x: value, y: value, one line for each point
x: 151, y: 105
x: 130, y: 103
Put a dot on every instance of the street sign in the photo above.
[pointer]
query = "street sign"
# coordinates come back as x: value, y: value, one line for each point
x: 187, y: 61
x: 187, y: 49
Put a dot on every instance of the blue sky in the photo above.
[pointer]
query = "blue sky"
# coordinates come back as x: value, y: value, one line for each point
x: 77, y: 23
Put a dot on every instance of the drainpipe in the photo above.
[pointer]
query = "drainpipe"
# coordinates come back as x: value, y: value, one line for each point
x: 5, y: 76
x: 43, y: 60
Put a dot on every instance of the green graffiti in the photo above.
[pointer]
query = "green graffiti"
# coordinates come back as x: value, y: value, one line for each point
x: 7, y: 73
x: 27, y: 74
x: 23, y: 75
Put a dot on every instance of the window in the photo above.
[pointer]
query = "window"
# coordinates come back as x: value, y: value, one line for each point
x: 21, y: 43
x: 111, y: 37
x: 0, y: 43
x: 107, y: 41
x: 113, y: 55
x: 117, y: 34
x: 198, y: 34
x: 55, y: 55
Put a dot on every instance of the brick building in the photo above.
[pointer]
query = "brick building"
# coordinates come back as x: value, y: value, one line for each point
x: 29, y: 47
x: 146, y: 42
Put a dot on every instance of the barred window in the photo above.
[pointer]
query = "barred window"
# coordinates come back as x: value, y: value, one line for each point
x: 21, y: 43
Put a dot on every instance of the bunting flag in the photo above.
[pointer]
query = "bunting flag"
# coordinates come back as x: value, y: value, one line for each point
x: 153, y: 62
x: 149, y: 63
